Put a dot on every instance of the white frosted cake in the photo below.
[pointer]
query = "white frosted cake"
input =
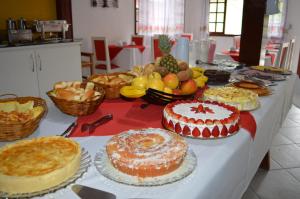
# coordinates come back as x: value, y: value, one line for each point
x: 201, y: 119
x: 242, y: 99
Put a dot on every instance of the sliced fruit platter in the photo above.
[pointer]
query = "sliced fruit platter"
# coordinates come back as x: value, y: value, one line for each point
x: 165, y: 80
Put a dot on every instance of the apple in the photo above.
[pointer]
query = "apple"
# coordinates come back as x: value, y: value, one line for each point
x: 188, y: 87
x: 171, y: 80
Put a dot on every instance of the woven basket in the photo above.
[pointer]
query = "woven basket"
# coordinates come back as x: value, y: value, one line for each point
x: 111, y: 92
x: 76, y: 108
x: 15, y: 130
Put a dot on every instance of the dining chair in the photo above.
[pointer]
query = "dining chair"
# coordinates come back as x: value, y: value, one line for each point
x: 87, y: 62
x: 101, y: 56
x: 155, y: 51
x: 138, y: 39
x: 283, y: 52
x: 189, y: 36
x: 290, y: 54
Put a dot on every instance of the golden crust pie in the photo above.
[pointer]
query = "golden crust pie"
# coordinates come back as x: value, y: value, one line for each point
x: 37, y: 164
x: 240, y: 98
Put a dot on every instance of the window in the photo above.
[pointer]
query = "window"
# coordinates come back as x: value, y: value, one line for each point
x: 159, y: 17
x: 225, y: 17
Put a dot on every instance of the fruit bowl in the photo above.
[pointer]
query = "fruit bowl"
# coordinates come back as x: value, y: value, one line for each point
x: 161, y: 98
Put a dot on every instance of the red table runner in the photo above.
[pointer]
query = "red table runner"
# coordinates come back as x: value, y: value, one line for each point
x: 129, y: 115
x: 115, y: 50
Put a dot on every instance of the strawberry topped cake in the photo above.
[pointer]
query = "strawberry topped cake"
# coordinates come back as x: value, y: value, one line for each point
x: 201, y: 119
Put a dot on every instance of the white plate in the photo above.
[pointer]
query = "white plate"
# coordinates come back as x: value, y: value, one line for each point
x: 85, y: 162
x: 104, y: 166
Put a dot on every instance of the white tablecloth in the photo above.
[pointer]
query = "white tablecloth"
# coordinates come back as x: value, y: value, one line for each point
x: 225, y: 166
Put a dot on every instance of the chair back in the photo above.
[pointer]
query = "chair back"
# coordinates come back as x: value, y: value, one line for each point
x: 189, y: 36
x: 154, y: 48
x: 138, y: 39
x: 290, y: 54
x: 101, y: 52
x: 237, y: 42
x: 283, y: 54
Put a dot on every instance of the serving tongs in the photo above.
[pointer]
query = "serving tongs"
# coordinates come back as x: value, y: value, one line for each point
x: 90, y: 127
x: 162, y: 98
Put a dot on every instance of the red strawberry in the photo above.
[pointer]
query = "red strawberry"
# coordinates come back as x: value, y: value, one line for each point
x: 206, y: 132
x: 231, y: 129
x: 226, y: 121
x: 200, y: 122
x: 171, y: 125
x: 191, y: 121
x: 215, y: 102
x: 177, y: 116
x: 196, y: 132
x: 165, y: 122
x: 236, y: 127
x: 216, y: 131
x: 186, y: 130
x: 224, y: 131
x: 184, y: 119
x: 216, y: 122
x: 208, y: 122
x: 177, y: 128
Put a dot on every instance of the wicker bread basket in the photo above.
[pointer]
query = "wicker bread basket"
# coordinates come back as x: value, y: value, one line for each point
x: 111, y: 91
x: 15, y: 130
x: 78, y: 108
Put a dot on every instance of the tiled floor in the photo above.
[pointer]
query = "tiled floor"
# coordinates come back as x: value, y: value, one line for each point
x: 283, y: 180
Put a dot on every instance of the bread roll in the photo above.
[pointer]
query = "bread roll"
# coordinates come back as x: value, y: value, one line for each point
x: 64, y: 94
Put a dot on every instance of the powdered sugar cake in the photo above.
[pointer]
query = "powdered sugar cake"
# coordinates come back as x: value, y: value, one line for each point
x: 146, y: 152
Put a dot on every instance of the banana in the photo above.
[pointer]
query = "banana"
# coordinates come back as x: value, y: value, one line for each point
x: 132, y: 91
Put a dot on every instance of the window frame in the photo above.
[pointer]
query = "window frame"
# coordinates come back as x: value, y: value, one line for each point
x: 136, y: 10
x: 222, y: 34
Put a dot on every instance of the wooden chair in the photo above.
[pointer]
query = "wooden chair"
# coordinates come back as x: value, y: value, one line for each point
x: 101, y: 56
x: 87, y: 62
x: 290, y: 54
x: 138, y: 39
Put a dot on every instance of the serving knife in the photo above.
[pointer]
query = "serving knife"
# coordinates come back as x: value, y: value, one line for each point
x: 85, y: 192
x: 66, y: 132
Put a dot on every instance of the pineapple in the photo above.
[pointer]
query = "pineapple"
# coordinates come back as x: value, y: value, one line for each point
x: 167, y: 61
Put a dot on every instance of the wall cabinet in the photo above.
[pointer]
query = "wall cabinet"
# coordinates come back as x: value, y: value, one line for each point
x: 32, y: 70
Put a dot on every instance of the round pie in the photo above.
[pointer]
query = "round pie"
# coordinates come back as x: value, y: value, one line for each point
x: 242, y: 99
x: 38, y: 164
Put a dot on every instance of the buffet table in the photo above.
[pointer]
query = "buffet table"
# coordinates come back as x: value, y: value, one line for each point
x: 224, y: 168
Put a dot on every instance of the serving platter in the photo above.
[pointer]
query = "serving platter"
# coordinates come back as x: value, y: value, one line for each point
x: 103, y: 165
x: 85, y: 162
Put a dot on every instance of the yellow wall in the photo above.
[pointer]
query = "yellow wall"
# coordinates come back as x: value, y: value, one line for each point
x: 28, y: 9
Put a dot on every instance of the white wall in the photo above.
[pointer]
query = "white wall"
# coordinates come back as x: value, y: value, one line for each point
x: 114, y: 23
x: 294, y: 32
x: 192, y: 24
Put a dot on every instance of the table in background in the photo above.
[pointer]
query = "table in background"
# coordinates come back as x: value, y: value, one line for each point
x: 224, y: 169
x: 126, y: 56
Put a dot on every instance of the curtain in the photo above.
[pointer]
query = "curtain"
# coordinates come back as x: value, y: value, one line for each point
x: 277, y: 21
x: 203, y: 34
x: 160, y: 17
